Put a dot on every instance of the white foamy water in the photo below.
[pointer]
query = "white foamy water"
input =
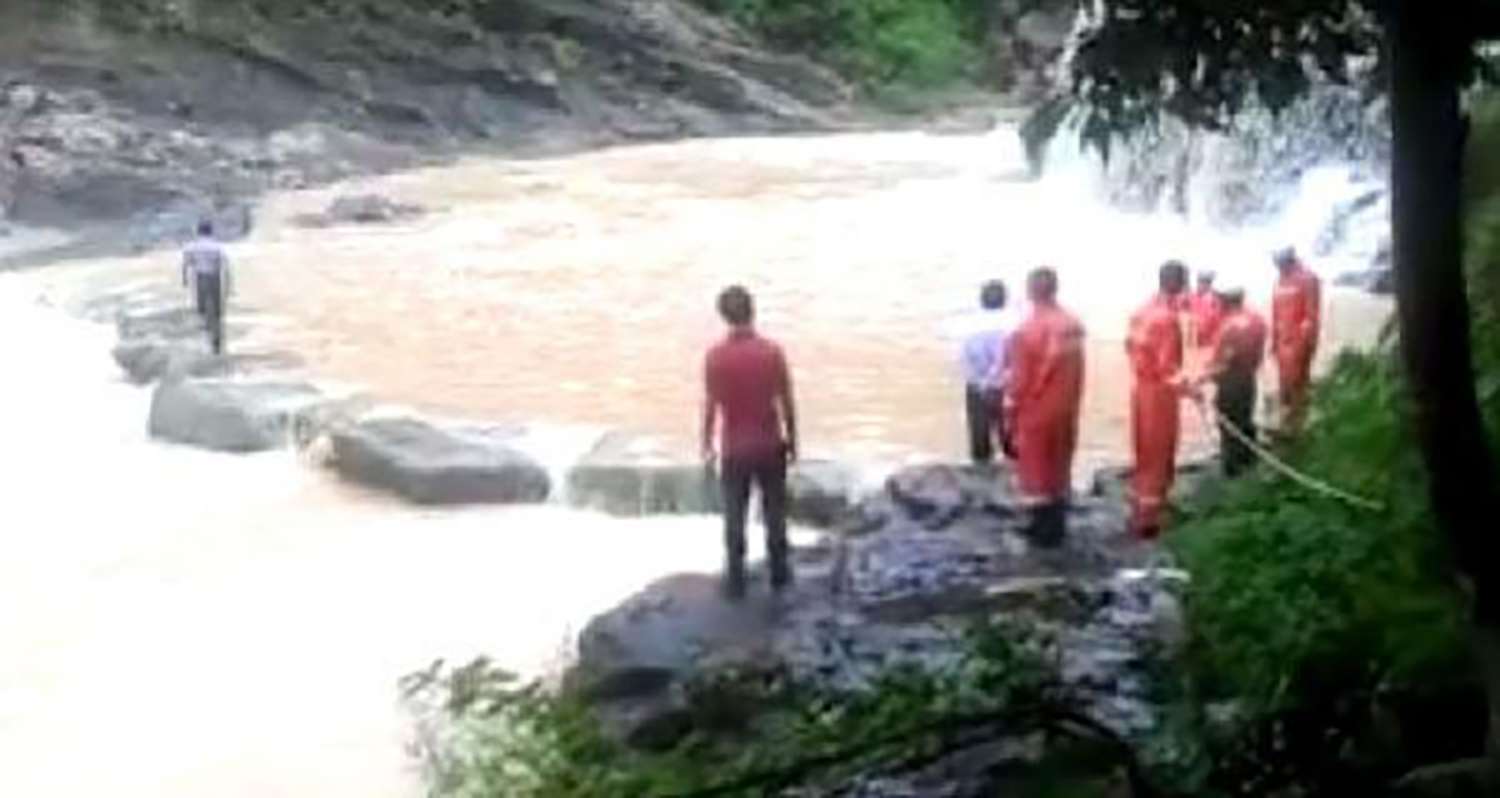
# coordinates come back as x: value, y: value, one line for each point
x: 177, y: 623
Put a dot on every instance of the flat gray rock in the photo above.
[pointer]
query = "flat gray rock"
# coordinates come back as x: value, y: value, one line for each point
x: 634, y: 475
x: 232, y: 415
x: 430, y: 464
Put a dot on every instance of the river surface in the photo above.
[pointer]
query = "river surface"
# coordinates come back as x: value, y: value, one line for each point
x: 177, y: 623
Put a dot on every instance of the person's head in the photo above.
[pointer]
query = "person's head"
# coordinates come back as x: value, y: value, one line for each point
x: 992, y: 295
x: 205, y: 228
x: 1173, y: 277
x: 1285, y: 259
x: 1206, y: 280
x: 1041, y: 285
x: 1233, y: 297
x: 736, y: 306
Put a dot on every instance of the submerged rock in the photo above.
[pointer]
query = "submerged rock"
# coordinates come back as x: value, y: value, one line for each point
x: 430, y: 464
x: 362, y: 209
x: 232, y: 415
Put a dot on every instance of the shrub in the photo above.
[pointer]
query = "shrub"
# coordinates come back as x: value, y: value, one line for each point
x: 922, y: 43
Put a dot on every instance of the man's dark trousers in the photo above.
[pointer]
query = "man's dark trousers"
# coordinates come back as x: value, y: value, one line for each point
x: 768, y: 474
x: 982, y: 407
x: 1235, y: 401
x: 211, y: 308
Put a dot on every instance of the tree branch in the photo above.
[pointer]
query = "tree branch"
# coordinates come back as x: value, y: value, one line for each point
x: 1038, y: 717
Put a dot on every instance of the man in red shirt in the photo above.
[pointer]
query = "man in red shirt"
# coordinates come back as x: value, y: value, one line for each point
x: 1236, y: 361
x: 747, y: 383
x: 1155, y: 350
x: 1043, y: 399
x: 1296, y: 319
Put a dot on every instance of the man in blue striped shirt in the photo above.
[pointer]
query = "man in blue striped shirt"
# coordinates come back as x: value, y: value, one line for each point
x: 984, y: 360
x: 205, y: 272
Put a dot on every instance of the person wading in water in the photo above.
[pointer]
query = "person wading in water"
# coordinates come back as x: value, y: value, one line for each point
x: 748, y: 384
x: 205, y: 272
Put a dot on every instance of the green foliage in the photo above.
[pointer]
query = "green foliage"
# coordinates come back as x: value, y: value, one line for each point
x: 1295, y: 596
x: 923, y: 43
x: 522, y: 741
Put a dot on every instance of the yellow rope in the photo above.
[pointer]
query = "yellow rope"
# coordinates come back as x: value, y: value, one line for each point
x: 1311, y: 483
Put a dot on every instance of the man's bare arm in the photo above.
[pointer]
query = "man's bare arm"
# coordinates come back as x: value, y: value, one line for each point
x: 789, y: 413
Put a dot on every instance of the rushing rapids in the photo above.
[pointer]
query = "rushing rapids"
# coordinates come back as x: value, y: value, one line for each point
x: 192, y: 624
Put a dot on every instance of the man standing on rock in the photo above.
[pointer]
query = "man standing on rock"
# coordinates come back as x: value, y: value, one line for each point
x: 984, y: 360
x: 1238, y: 354
x: 1043, y: 399
x: 1155, y: 350
x: 1296, y: 321
x: 205, y: 272
x: 747, y: 382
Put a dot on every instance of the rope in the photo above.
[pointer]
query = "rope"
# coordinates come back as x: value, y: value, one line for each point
x: 1269, y: 458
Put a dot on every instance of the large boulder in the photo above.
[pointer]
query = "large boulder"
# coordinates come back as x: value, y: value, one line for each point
x: 937, y: 495
x: 899, y: 595
x: 431, y: 464
x: 821, y: 493
x: 635, y: 475
x: 232, y: 415
x: 147, y: 361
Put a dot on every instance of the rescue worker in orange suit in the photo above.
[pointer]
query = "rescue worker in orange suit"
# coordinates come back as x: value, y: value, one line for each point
x: 1155, y: 348
x: 1237, y: 358
x: 1042, y: 403
x: 1206, y: 310
x: 1296, y: 319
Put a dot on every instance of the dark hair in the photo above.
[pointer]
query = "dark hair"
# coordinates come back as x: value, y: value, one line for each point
x: 1285, y: 256
x: 1232, y: 299
x: 1173, y: 276
x: 736, y: 306
x: 206, y: 227
x: 1042, y: 283
x: 993, y: 295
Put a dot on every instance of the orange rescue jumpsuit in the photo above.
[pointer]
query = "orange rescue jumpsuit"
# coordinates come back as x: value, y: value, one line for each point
x: 1155, y: 350
x: 1296, y: 316
x: 1044, y: 397
x: 1207, y: 313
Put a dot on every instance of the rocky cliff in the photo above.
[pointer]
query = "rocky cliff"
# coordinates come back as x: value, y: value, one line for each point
x: 111, y: 110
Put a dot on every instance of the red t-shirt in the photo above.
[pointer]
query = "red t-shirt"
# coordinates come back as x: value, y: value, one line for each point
x: 745, y: 375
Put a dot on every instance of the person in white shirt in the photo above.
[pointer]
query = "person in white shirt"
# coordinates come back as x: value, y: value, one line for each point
x: 205, y: 272
x: 984, y: 360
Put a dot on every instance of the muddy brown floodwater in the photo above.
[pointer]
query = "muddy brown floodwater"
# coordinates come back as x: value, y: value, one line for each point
x: 581, y: 289
x: 178, y: 623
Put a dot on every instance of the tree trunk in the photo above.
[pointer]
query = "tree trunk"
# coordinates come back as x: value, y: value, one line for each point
x: 1428, y: 48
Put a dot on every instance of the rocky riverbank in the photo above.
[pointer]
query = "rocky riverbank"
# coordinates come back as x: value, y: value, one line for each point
x: 134, y: 119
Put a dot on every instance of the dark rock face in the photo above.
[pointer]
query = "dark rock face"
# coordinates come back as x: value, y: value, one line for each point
x: 231, y: 415
x: 897, y: 594
x: 936, y: 496
x: 429, y: 464
x: 821, y: 493
x: 103, y: 120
